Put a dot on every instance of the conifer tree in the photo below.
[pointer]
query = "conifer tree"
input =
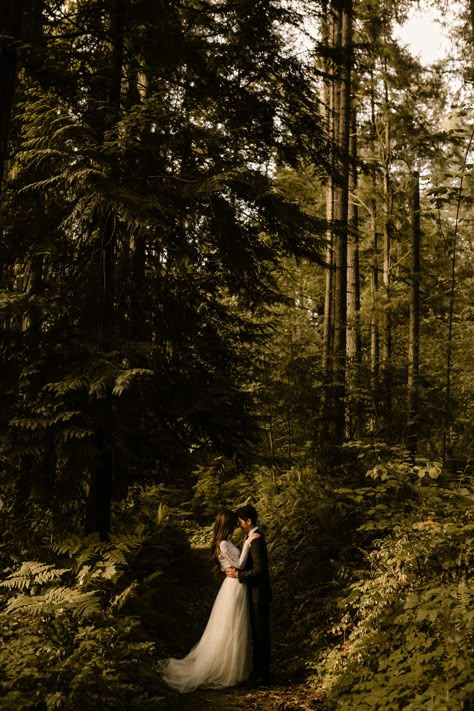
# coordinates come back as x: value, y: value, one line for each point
x: 147, y: 140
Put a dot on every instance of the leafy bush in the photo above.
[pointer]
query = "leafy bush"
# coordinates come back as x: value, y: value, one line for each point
x: 219, y: 485
x: 376, y: 560
x: 308, y: 540
x: 74, y: 633
x: 403, y: 637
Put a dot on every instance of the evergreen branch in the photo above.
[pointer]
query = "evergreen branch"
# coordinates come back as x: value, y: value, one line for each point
x: 126, y: 379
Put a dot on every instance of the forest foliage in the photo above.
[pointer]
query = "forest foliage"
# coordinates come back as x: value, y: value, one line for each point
x: 237, y: 266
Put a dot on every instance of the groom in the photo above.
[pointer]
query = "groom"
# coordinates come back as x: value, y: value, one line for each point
x: 256, y: 576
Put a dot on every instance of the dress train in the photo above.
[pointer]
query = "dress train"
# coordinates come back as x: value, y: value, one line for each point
x: 223, y: 655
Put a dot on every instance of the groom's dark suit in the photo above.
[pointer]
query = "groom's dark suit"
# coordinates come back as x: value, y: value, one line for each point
x: 256, y: 577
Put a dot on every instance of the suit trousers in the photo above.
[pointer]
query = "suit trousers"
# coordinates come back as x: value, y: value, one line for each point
x: 260, y: 623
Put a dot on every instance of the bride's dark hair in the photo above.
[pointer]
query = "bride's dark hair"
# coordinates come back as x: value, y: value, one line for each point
x: 224, y: 526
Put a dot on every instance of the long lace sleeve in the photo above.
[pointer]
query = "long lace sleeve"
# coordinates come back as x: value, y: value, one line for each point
x: 231, y: 556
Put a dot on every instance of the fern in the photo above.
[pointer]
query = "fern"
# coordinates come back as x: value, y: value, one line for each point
x: 67, y: 640
x: 128, y: 542
x: 74, y: 545
x: 33, y: 573
x: 57, y: 600
x: 119, y: 600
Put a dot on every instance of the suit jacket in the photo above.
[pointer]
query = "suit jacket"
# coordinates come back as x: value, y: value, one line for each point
x: 255, y: 572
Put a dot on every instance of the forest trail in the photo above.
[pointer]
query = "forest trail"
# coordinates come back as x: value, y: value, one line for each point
x: 288, y: 691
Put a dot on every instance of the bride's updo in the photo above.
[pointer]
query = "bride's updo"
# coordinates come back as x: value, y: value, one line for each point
x: 224, y: 526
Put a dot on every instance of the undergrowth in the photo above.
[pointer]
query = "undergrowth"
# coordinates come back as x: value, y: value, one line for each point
x: 378, y: 567
x: 84, y: 632
x: 372, y: 579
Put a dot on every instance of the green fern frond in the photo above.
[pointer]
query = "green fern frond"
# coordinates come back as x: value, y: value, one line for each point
x: 162, y: 514
x: 84, y: 575
x: 87, y: 555
x: 128, y: 542
x: 108, y: 570
x: 465, y: 594
x: 57, y: 599
x: 115, y: 558
x: 33, y: 573
x: 29, y: 605
x: 85, y: 605
x: 81, y: 550
x: 119, y: 600
x: 57, y: 595
x: 71, y: 546
x: 92, y: 558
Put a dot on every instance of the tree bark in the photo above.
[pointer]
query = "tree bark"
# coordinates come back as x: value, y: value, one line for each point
x: 343, y: 12
x: 99, y: 500
x: 414, y: 323
x: 386, y: 354
x: 329, y: 101
x: 354, y: 356
x: 447, y: 443
x: 374, y: 271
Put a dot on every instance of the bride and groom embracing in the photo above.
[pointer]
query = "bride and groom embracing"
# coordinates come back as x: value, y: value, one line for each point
x: 235, y: 646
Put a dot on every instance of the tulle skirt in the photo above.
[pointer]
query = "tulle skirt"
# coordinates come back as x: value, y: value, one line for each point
x: 223, y: 655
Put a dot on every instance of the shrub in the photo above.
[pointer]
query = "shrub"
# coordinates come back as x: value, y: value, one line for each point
x: 71, y: 632
x: 403, y: 637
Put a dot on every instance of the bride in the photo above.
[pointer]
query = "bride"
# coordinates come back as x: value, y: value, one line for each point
x: 223, y: 655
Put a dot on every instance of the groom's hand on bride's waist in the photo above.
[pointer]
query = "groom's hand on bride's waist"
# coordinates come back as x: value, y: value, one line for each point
x: 231, y: 573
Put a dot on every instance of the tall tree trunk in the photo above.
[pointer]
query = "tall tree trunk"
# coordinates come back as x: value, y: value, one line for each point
x: 136, y: 257
x: 414, y: 324
x: 99, y: 500
x: 329, y: 102
x: 386, y: 354
x: 374, y: 269
x: 328, y: 328
x: 354, y: 358
x: 343, y: 12
x: 337, y: 198
x: 374, y: 326
x: 452, y: 293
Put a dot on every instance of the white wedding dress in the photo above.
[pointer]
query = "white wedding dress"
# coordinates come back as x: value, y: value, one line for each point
x: 223, y: 655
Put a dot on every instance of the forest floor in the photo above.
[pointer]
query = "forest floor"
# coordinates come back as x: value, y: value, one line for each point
x: 288, y: 691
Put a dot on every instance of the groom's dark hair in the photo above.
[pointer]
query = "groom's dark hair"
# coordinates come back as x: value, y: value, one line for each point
x: 246, y: 512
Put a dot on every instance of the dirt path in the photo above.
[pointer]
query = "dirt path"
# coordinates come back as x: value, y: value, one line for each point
x: 288, y: 691
x: 295, y: 698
